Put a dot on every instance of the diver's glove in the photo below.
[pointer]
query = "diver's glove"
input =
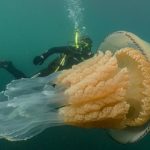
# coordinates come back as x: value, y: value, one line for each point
x: 38, y: 60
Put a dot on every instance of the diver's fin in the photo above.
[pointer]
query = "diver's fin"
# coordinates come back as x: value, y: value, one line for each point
x: 130, y: 134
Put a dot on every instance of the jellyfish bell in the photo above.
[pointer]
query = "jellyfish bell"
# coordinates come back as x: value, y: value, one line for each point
x: 129, y: 134
x: 110, y: 90
x: 122, y: 39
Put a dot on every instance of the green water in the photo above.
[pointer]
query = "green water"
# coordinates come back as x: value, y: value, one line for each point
x: 29, y: 27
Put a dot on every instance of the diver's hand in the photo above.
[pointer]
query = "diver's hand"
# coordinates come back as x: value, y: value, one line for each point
x: 38, y: 60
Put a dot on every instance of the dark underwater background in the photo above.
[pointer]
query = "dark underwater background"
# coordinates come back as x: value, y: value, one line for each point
x: 30, y: 27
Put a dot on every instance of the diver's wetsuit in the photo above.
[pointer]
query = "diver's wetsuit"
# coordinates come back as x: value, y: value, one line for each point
x: 8, y: 65
x: 69, y: 55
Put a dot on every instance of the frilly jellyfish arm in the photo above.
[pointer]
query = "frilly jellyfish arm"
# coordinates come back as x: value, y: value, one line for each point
x: 108, y: 91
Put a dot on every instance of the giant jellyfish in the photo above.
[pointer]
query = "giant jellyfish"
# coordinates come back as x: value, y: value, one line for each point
x: 109, y: 91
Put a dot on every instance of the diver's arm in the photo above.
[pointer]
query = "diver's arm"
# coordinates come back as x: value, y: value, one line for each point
x: 64, y: 49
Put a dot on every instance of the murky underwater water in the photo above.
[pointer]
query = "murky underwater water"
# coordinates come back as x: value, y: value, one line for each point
x: 28, y: 28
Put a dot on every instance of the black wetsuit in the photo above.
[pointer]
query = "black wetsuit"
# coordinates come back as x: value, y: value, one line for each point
x: 70, y: 54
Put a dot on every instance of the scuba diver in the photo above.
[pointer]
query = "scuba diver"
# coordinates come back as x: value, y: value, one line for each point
x: 69, y: 55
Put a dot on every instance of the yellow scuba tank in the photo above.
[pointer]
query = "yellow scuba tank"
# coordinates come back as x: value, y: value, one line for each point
x: 63, y: 57
x: 76, y: 39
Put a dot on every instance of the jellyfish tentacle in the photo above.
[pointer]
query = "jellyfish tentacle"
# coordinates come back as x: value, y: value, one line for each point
x: 28, y: 111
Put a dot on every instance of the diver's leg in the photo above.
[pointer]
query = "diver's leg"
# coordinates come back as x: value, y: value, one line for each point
x: 8, y: 65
